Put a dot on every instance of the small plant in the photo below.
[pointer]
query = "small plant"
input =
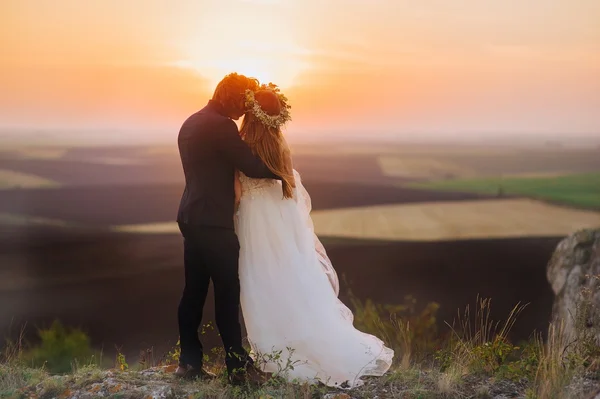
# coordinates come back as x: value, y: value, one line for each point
x: 172, y: 357
x: 120, y: 361
x: 525, y: 363
x: 284, y: 363
x: 489, y: 357
x: 60, y: 349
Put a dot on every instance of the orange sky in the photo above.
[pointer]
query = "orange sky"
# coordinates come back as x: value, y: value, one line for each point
x: 433, y: 66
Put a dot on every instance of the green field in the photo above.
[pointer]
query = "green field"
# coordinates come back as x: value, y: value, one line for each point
x: 579, y: 190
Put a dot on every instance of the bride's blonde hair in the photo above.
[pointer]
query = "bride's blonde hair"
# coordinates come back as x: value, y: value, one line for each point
x: 267, y: 142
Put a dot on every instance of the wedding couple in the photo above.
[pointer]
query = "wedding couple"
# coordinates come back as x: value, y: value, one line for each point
x: 244, y: 216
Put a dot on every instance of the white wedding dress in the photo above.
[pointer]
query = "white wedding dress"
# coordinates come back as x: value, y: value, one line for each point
x: 289, y: 294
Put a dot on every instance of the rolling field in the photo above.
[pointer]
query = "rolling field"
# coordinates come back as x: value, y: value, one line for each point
x: 579, y: 190
x: 15, y: 180
x: 420, y: 168
x: 434, y: 221
x: 137, y: 189
x: 454, y: 221
x: 426, y: 164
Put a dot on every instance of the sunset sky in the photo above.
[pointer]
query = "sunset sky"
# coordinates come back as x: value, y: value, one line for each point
x: 428, y: 66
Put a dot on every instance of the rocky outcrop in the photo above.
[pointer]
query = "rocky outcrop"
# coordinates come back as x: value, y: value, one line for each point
x: 574, y: 274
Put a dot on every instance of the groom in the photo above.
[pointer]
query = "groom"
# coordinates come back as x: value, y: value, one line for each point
x: 211, y: 150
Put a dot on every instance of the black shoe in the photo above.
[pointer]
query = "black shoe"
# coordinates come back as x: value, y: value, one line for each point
x: 193, y: 373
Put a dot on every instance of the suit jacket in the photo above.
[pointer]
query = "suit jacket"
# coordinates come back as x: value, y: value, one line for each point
x: 211, y: 149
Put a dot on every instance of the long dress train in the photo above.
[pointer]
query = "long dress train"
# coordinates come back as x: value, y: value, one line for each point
x: 296, y: 324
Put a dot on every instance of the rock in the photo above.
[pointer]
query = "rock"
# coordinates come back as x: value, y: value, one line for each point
x: 574, y: 274
x: 160, y: 392
x: 595, y: 395
x: 337, y: 396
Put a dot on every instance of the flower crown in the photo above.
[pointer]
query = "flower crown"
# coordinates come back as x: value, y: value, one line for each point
x: 273, y: 121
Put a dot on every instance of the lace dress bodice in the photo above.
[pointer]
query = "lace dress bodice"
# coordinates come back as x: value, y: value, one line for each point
x: 255, y: 187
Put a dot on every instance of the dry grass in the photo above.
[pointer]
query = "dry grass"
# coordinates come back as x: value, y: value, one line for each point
x: 449, y: 381
x: 13, y: 373
x: 553, y: 374
x: 568, y: 355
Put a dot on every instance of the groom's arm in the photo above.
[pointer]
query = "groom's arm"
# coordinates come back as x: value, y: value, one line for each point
x: 240, y: 155
x: 237, y: 185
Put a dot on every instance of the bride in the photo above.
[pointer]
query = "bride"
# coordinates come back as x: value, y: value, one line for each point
x: 297, y: 327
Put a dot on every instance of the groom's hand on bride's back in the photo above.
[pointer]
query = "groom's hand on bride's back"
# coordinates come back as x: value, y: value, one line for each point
x: 233, y: 148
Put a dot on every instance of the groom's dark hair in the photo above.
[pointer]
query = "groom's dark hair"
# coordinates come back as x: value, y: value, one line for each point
x: 231, y: 92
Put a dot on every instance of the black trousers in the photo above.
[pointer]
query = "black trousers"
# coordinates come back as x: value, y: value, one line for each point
x: 211, y: 253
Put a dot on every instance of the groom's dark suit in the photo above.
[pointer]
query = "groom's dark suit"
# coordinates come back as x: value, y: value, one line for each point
x: 211, y: 150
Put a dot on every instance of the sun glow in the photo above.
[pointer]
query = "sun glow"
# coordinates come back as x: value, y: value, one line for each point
x: 245, y: 41
x: 268, y: 63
